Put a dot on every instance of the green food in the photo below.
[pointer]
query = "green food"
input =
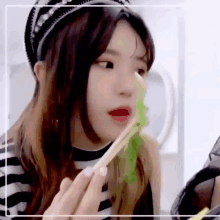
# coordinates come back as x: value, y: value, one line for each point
x: 134, y: 141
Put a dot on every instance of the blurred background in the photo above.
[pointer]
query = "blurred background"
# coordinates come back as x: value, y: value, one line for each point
x: 183, y: 88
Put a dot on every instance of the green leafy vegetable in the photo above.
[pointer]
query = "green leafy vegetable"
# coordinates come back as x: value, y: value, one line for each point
x: 134, y: 141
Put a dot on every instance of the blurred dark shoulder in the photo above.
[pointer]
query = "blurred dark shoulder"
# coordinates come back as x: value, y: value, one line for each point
x: 202, y: 190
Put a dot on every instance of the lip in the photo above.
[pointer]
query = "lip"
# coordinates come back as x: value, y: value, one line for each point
x: 120, y: 119
x: 120, y: 111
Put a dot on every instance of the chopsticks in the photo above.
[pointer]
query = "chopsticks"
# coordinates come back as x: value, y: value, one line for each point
x: 201, y: 214
x: 118, y: 144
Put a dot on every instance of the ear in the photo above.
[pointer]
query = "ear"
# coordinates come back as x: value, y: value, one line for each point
x: 40, y: 70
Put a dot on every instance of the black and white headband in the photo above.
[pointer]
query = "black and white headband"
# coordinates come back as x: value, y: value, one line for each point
x: 42, y: 20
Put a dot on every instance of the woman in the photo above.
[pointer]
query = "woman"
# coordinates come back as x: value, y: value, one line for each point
x: 83, y: 60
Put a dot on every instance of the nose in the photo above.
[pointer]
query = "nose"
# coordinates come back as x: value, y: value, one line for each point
x: 125, y: 86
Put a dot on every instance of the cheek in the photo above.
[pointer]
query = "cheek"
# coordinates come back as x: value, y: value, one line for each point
x: 104, y: 87
x: 95, y: 100
x: 100, y: 89
x: 99, y: 93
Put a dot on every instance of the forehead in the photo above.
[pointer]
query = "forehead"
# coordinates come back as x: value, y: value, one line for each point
x: 126, y: 40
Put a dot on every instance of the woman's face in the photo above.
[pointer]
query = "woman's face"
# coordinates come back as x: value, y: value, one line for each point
x: 111, y: 81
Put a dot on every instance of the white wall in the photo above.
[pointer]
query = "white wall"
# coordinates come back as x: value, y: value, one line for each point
x: 202, y: 92
x: 15, y: 52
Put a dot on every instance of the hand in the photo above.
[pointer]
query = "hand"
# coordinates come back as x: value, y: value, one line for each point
x: 79, y: 197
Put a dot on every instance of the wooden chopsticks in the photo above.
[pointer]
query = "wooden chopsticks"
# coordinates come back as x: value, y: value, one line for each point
x: 118, y: 144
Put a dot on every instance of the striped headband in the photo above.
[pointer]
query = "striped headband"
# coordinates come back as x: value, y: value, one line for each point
x: 42, y: 20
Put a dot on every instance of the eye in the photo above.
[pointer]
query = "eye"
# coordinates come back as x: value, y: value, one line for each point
x: 141, y: 72
x: 106, y: 64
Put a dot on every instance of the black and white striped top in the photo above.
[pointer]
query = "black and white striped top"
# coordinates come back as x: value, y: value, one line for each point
x: 18, y: 182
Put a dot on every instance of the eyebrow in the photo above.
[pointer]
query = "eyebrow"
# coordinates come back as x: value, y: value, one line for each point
x: 114, y: 52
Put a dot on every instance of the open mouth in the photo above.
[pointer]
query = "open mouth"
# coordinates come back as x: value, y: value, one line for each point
x: 120, y: 114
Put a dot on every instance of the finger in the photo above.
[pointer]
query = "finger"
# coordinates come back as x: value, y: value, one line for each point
x: 64, y: 186
x: 91, y: 200
x: 64, y: 182
x: 74, y: 193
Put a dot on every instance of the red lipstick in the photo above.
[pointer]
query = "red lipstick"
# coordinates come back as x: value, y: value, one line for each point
x: 121, y: 113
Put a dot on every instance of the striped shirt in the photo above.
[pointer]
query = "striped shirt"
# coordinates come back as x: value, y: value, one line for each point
x: 18, y: 182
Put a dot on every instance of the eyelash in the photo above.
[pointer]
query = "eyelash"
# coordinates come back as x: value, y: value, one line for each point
x: 112, y: 66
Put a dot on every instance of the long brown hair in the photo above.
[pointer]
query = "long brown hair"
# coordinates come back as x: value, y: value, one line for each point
x: 44, y: 147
